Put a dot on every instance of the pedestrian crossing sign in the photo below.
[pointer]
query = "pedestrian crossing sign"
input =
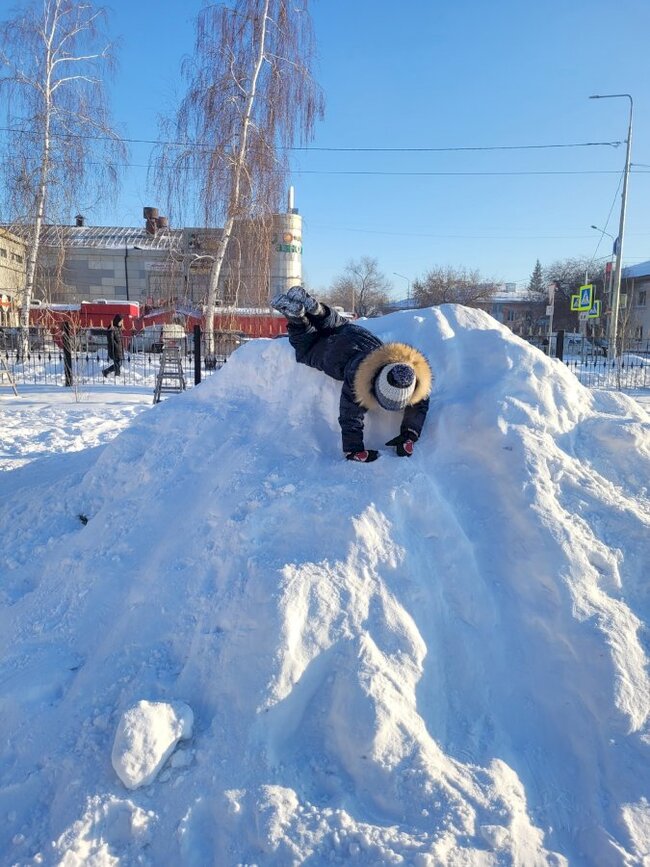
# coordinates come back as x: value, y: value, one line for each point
x: 586, y: 295
x: 575, y: 303
x: 594, y: 313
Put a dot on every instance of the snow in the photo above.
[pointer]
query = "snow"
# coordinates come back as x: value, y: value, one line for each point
x: 146, y: 737
x: 440, y: 660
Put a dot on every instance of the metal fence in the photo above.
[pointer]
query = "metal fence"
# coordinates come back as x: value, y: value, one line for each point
x: 629, y: 371
x: 589, y: 361
x: 45, y: 363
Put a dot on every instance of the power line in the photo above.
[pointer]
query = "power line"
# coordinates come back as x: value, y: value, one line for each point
x: 586, y: 144
x: 463, y: 174
x: 309, y: 225
x: 384, y: 173
x: 308, y: 148
x: 604, y: 232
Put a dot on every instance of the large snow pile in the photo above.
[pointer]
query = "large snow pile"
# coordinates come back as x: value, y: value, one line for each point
x: 440, y: 660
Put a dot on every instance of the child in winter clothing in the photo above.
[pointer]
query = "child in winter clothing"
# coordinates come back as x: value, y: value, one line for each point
x: 115, y: 346
x: 393, y: 376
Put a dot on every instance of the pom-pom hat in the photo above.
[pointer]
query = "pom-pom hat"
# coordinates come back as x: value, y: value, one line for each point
x: 393, y: 377
x: 394, y: 386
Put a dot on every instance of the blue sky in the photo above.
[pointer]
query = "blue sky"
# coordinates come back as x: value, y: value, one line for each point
x: 422, y: 74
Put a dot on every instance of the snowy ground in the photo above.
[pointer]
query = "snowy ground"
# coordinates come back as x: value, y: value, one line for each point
x: 257, y: 653
x: 43, y: 422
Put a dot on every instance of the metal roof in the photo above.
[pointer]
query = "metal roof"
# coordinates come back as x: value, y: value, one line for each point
x: 112, y: 237
x: 640, y: 270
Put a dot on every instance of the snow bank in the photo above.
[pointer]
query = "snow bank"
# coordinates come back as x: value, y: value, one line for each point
x: 434, y: 661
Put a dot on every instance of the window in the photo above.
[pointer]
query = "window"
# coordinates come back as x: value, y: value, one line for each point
x: 638, y: 332
x: 3, y: 253
x: 641, y: 298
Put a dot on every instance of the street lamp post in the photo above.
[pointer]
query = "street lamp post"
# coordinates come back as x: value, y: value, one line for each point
x: 408, y: 286
x: 616, y: 280
x: 550, y: 310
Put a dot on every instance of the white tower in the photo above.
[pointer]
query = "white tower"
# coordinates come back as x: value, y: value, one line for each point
x: 286, y: 253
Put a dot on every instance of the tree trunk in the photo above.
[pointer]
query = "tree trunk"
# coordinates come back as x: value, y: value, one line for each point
x: 233, y: 204
x: 23, y: 342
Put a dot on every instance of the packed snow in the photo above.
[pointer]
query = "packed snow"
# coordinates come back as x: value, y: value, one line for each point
x: 254, y: 652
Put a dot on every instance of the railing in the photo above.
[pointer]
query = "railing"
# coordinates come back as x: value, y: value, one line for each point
x: 588, y: 360
x: 45, y: 363
x: 628, y: 371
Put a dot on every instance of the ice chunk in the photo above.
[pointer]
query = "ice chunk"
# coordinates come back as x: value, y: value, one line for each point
x: 145, y: 738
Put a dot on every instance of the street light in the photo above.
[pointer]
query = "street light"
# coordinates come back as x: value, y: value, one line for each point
x: 408, y: 289
x: 618, y: 245
x: 602, y: 232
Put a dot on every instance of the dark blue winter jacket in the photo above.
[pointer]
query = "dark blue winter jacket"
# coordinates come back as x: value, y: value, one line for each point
x: 338, y: 347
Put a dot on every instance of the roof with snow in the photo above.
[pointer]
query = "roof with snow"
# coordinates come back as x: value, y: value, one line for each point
x: 256, y: 652
x: 642, y: 269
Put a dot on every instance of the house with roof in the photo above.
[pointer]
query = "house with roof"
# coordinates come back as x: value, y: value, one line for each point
x: 635, y: 290
x: 513, y: 306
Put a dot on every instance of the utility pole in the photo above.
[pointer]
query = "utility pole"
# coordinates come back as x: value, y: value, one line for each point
x: 549, y: 312
x: 616, y: 280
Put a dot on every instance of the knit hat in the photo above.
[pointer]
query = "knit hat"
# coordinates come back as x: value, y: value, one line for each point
x: 394, y: 385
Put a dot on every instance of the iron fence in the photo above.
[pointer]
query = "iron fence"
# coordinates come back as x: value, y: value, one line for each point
x: 45, y: 363
x: 628, y: 371
x: 589, y: 360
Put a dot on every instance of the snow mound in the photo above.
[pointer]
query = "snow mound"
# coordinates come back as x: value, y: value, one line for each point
x: 440, y: 660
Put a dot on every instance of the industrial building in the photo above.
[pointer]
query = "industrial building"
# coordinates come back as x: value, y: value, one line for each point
x: 12, y: 276
x: 155, y: 264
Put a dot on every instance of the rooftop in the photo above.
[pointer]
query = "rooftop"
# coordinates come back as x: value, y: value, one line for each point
x: 107, y: 237
x: 642, y: 269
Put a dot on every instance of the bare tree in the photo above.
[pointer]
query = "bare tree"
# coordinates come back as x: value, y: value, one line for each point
x: 567, y: 275
x: 362, y: 289
x: 250, y: 96
x: 446, y: 284
x: 54, y: 56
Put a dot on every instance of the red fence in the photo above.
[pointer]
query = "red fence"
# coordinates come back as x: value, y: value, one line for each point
x: 250, y: 321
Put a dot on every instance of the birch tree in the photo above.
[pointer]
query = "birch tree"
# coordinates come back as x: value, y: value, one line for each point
x: 54, y: 59
x: 250, y: 96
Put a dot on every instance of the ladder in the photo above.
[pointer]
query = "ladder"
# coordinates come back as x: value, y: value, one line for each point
x: 170, y: 378
x: 6, y: 370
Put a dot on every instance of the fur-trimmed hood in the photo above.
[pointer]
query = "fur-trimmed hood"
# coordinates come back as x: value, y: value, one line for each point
x: 391, y: 353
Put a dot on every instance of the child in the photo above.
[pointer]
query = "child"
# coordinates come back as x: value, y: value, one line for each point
x: 394, y: 376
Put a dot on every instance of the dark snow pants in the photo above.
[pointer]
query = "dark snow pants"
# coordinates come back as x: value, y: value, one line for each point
x: 305, y: 333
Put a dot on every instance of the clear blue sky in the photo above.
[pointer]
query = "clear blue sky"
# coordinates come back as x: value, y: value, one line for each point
x: 426, y: 74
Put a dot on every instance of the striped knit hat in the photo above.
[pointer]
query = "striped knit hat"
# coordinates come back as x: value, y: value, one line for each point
x: 394, y: 385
